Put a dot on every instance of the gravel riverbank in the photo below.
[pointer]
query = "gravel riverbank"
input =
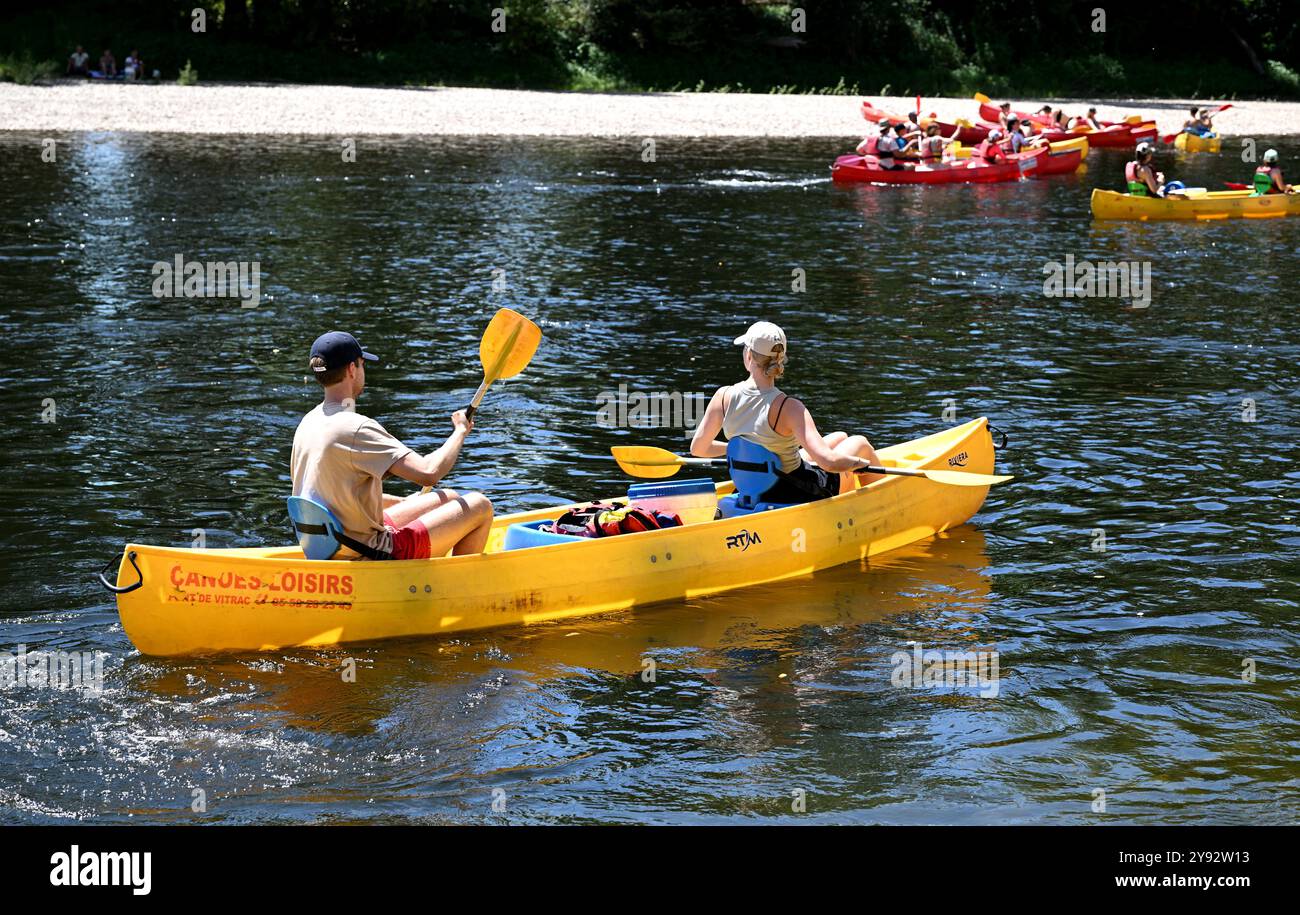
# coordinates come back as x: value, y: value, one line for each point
x: 346, y: 110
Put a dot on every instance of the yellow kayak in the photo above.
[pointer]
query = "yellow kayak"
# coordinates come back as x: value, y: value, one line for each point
x: 1214, y: 205
x: 1190, y: 142
x: 192, y: 601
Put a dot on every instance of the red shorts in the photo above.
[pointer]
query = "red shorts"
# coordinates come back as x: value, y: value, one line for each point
x: 410, y: 542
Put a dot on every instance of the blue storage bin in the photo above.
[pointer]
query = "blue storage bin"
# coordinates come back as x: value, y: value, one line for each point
x: 524, y: 534
x: 667, y: 488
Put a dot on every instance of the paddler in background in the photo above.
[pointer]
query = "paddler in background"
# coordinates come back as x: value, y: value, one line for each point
x: 1017, y: 139
x: 812, y: 466
x: 340, y: 458
x: 1091, y: 119
x: 1142, y: 178
x: 1268, y: 177
x: 1194, y: 123
x: 1004, y: 114
x: 1206, y: 121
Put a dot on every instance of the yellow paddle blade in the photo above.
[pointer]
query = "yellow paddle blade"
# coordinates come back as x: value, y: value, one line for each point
x: 646, y: 461
x: 962, y: 478
x: 962, y: 122
x: 981, y: 98
x: 507, y: 345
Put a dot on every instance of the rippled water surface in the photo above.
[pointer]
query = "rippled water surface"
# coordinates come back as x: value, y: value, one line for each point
x: 1120, y: 670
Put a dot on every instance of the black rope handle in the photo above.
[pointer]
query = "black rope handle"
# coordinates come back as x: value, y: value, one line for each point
x: 114, y: 588
x: 994, y: 430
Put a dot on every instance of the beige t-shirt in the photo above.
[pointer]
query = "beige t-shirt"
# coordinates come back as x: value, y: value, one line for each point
x: 339, y: 459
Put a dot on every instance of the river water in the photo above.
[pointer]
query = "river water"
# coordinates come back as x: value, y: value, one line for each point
x: 1138, y: 579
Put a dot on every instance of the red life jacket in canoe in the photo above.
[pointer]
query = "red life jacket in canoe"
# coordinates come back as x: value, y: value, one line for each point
x: 872, y: 145
x: 607, y: 519
x: 990, y: 152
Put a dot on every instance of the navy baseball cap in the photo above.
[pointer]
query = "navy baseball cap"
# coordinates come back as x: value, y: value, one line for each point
x: 338, y: 349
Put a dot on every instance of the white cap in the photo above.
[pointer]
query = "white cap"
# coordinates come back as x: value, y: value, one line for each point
x: 763, y: 337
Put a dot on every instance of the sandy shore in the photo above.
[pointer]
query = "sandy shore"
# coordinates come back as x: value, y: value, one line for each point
x: 349, y: 111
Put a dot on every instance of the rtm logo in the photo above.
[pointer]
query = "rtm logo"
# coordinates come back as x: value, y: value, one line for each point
x: 958, y: 460
x: 744, y: 540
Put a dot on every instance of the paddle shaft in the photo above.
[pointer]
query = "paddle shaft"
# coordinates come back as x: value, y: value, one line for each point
x: 866, y: 468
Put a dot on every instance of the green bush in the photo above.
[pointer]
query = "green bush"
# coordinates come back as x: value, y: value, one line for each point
x: 189, y: 76
x: 1094, y: 73
x: 26, y: 70
x: 1285, y: 76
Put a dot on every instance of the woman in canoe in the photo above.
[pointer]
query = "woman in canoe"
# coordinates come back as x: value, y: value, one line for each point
x: 340, y: 459
x: 1017, y: 138
x: 813, y: 467
x: 1142, y: 178
x: 933, y: 146
x: 1091, y: 119
x: 1268, y: 177
x: 990, y: 148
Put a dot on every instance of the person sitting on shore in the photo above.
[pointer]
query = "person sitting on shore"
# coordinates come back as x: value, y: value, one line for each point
x: 812, y: 466
x: 134, y: 66
x: 340, y: 459
x: 78, y: 63
x: 107, y: 64
x: 1268, y: 177
x: 1142, y: 178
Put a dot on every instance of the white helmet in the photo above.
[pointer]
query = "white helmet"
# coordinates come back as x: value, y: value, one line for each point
x: 1270, y: 155
x: 1143, y: 149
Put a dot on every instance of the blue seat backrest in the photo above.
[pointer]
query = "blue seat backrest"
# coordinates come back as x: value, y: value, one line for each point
x: 314, y: 526
x: 753, y: 468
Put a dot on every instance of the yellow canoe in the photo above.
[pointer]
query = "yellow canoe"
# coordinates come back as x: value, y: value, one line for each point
x: 1214, y: 205
x: 250, y: 599
x: 1189, y: 142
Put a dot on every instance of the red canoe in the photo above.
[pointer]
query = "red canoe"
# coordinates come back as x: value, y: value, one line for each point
x: 967, y: 135
x: 1059, y: 162
x: 854, y: 168
x: 1113, y: 134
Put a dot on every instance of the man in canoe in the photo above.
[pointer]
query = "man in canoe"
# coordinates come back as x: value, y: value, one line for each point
x: 813, y: 467
x: 884, y: 148
x: 1268, y: 177
x: 340, y: 459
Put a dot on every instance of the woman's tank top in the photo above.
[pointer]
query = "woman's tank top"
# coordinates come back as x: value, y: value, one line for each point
x: 746, y: 416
